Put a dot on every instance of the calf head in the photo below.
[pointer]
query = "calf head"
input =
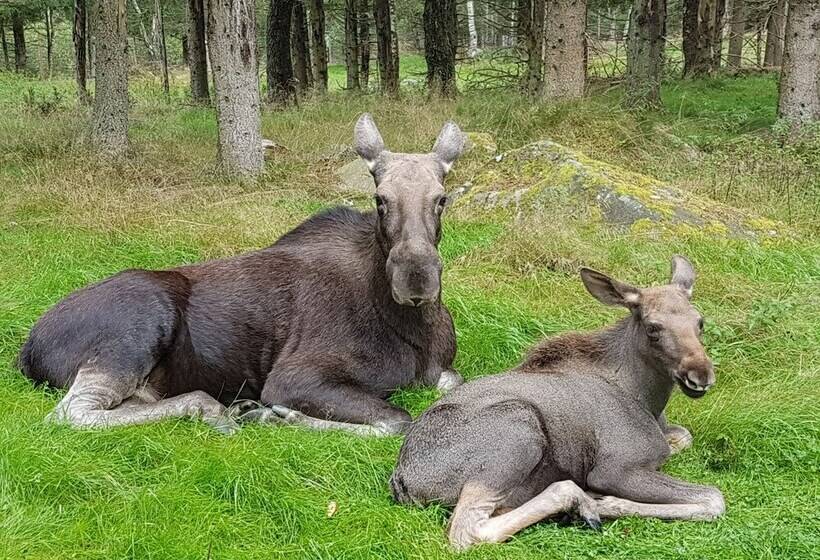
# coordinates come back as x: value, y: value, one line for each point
x: 410, y: 199
x: 669, y: 327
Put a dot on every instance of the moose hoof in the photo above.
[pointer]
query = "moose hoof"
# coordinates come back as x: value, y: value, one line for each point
x: 678, y: 438
x: 448, y: 381
x: 223, y: 425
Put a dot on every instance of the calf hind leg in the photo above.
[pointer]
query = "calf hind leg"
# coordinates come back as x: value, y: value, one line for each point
x: 473, y: 523
x: 101, y: 398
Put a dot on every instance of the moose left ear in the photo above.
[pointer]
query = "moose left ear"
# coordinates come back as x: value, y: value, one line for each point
x: 368, y: 141
x: 449, y: 145
x: 683, y: 274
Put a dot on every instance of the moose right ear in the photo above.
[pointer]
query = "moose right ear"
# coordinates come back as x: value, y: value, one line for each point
x: 367, y: 141
x: 608, y: 290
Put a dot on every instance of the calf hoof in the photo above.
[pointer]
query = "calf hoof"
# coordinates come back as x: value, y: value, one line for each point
x: 449, y: 380
x: 224, y: 425
x: 678, y: 438
x: 261, y: 415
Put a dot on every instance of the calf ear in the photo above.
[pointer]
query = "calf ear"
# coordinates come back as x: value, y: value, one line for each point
x: 683, y: 274
x: 449, y: 145
x: 610, y: 291
x: 367, y: 141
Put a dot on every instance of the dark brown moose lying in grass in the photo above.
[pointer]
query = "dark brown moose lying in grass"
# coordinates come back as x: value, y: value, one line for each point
x: 583, y: 412
x: 321, y: 326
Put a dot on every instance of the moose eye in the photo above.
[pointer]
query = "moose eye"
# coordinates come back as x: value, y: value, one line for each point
x: 442, y: 202
x: 653, y: 331
x: 700, y: 324
x: 380, y: 206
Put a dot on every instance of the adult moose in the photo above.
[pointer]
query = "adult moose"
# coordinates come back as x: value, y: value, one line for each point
x: 582, y: 412
x: 321, y: 326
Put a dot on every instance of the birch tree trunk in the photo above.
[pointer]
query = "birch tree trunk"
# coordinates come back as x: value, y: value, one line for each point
x: 645, y: 54
x: 472, y: 49
x: 565, y: 57
x: 80, y: 56
x: 162, y: 51
x: 394, y: 39
x: 279, y: 66
x: 197, y: 52
x: 302, y: 71
x: 319, y: 53
x: 149, y: 45
x: 736, y: 31
x: 800, y: 80
x: 232, y: 50
x: 109, y: 132
x: 352, y: 43
x: 775, y: 29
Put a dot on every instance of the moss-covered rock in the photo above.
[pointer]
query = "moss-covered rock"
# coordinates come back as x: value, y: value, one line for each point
x: 550, y: 180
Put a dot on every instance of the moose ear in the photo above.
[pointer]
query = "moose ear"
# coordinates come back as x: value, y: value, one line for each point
x: 610, y: 291
x: 367, y: 141
x: 683, y: 274
x: 449, y: 145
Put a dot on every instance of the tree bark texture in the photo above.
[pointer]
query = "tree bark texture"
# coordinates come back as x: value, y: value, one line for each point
x: 717, y: 34
x: 19, y: 32
x: 279, y: 67
x: 364, y: 43
x: 388, y: 73
x: 80, y: 56
x: 439, y: 20
x: 4, y: 41
x: 472, y: 48
x: 800, y: 80
x: 736, y: 32
x: 775, y: 31
x: 302, y: 70
x: 109, y: 131
x: 394, y: 37
x: 565, y: 56
x: 532, y: 14
x: 698, y: 32
x: 645, y: 54
x: 319, y: 54
x: 162, y: 51
x: 352, y: 43
x: 197, y: 52
x: 232, y: 49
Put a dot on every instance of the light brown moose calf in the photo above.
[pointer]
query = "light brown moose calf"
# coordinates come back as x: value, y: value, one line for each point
x: 583, y: 412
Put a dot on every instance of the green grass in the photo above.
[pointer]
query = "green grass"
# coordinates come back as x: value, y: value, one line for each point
x: 178, y: 490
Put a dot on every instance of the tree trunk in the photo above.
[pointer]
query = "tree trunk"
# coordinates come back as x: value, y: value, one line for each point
x: 717, y: 34
x: 162, y: 51
x: 6, y: 61
x: 319, y: 54
x: 440, y: 46
x: 49, y: 24
x: 232, y: 50
x: 79, y: 36
x: 388, y: 74
x: 19, y: 32
x: 109, y: 132
x: 565, y: 68
x: 197, y: 52
x: 364, y: 44
x: 523, y: 11
x: 302, y: 72
x: 736, y: 31
x: 698, y: 24
x: 800, y: 80
x: 472, y: 48
x: 184, y: 45
x: 352, y: 43
x: 645, y: 54
x: 774, y: 35
x: 531, y: 25
x: 394, y: 38
x: 279, y: 66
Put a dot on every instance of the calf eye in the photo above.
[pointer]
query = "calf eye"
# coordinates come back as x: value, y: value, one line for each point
x: 380, y: 206
x: 700, y: 324
x: 442, y: 202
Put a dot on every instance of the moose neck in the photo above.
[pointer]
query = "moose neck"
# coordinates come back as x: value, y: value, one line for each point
x: 627, y: 368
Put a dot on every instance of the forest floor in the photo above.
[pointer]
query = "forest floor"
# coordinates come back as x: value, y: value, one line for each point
x: 178, y: 490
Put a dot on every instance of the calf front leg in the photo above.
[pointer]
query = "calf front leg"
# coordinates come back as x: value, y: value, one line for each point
x: 678, y: 437
x: 648, y: 493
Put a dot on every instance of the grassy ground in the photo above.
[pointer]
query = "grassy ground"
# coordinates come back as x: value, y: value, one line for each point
x: 177, y: 490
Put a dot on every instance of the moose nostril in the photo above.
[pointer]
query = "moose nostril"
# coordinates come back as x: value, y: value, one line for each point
x: 416, y: 301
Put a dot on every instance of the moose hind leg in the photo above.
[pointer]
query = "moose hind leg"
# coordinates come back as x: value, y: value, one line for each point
x: 100, y: 398
x: 649, y: 493
x: 473, y: 523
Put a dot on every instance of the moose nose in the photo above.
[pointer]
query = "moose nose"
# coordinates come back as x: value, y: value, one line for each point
x: 417, y: 301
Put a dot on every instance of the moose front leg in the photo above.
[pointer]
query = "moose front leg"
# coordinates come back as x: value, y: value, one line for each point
x: 678, y: 437
x: 648, y: 493
x: 445, y: 380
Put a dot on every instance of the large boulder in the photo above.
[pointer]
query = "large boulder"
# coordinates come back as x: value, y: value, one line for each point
x: 547, y: 180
